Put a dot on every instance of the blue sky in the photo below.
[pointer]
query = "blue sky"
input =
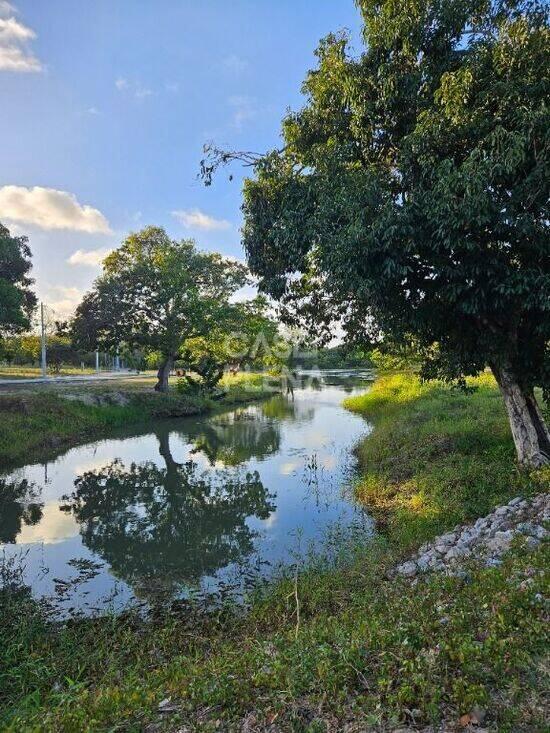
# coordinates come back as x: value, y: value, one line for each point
x: 107, y: 105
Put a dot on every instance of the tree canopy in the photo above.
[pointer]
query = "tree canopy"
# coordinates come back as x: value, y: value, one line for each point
x: 156, y: 292
x: 410, y: 197
x: 17, y: 301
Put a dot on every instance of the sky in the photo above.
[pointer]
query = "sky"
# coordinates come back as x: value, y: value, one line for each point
x: 106, y: 107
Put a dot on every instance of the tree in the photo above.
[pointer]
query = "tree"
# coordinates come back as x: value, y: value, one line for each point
x: 244, y: 335
x: 156, y: 292
x: 410, y: 198
x: 17, y: 301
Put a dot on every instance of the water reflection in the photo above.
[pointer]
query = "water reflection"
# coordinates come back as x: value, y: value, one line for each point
x: 236, y: 437
x: 188, y: 503
x: 20, y: 506
x: 162, y: 528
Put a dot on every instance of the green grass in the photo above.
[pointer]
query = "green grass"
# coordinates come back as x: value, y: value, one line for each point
x: 337, y: 643
x: 437, y: 456
x: 36, y: 422
x: 27, y: 372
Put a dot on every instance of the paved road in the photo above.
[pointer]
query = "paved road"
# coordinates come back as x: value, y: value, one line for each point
x: 101, y: 377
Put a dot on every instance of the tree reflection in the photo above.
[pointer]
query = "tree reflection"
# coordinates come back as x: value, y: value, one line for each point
x: 235, y: 437
x: 19, y: 505
x: 166, y: 527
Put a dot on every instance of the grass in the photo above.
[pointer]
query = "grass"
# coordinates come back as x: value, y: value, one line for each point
x: 37, y: 421
x: 27, y: 372
x: 437, y: 456
x: 334, y: 644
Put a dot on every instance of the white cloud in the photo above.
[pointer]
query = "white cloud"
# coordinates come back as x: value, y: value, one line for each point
x: 90, y: 257
x: 93, y: 111
x: 6, y: 9
x: 244, y: 110
x: 62, y: 300
x: 142, y: 92
x: 172, y: 86
x: 15, y: 38
x: 48, y: 208
x: 196, y: 219
x: 134, y: 88
x: 234, y: 64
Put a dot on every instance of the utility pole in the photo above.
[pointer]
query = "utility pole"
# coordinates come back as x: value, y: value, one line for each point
x: 43, y: 340
x: 97, y: 361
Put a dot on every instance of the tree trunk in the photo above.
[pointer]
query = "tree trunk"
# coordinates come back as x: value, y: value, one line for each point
x: 163, y: 374
x: 530, y: 433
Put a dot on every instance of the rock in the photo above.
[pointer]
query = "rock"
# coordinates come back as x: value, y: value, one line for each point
x: 166, y: 706
x: 408, y: 569
x: 424, y: 562
x: 457, y: 552
x: 447, y: 539
x: 477, y: 715
x: 488, y: 537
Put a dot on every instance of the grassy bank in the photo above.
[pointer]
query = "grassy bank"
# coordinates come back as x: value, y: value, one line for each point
x: 437, y: 456
x: 36, y: 421
x: 335, y: 644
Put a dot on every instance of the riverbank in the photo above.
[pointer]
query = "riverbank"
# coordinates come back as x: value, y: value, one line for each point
x: 37, y: 421
x: 342, y: 644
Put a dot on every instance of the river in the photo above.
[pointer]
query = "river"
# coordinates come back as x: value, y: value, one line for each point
x: 193, y: 506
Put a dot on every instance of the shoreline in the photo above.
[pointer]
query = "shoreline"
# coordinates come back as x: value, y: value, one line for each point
x: 334, y: 646
x: 38, y: 423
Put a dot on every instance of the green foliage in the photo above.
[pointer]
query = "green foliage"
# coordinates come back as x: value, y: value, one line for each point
x: 244, y: 336
x: 335, y: 357
x: 410, y: 197
x: 17, y: 301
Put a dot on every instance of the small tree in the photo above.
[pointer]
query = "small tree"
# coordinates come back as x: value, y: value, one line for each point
x: 243, y: 336
x: 156, y: 293
x: 411, y: 196
x: 17, y: 301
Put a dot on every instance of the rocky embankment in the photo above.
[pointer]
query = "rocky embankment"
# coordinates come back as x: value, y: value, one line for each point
x: 487, y: 539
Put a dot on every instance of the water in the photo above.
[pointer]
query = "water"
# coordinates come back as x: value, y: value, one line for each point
x: 191, y: 505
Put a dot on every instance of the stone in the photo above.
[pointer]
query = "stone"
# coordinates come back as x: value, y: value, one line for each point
x: 457, y: 552
x: 488, y: 537
x: 166, y: 706
x: 408, y: 569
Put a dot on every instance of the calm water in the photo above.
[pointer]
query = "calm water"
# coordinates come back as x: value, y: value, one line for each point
x: 191, y: 505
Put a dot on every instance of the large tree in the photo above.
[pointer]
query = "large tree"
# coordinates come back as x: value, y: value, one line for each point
x: 410, y: 197
x: 17, y: 301
x: 157, y: 293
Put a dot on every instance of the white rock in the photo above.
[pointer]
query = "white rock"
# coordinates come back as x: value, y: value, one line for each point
x: 456, y: 552
x: 408, y: 569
